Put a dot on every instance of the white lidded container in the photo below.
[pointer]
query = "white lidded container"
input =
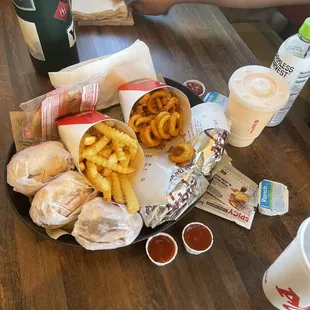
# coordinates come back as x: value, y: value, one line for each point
x: 292, y: 62
x: 256, y: 93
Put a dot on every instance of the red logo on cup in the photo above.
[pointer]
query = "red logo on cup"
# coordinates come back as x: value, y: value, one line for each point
x: 292, y: 299
x: 254, y: 125
x: 62, y: 11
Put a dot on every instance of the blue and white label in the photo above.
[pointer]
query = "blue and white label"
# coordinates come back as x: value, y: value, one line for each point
x: 265, y: 195
x: 216, y: 98
x: 273, y: 198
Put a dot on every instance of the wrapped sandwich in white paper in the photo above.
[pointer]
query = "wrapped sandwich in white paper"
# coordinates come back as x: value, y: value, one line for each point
x: 103, y: 226
x: 32, y: 168
x: 60, y: 201
x: 132, y: 63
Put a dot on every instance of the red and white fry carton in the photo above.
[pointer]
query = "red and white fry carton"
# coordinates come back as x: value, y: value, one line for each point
x: 286, y: 283
x: 72, y: 128
x: 131, y: 92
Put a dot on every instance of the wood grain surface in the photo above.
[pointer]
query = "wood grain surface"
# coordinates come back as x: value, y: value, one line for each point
x: 191, y: 42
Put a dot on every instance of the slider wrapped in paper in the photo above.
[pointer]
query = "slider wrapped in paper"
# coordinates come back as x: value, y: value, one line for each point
x: 208, y: 136
x: 32, y: 168
x: 103, y: 226
x: 60, y: 201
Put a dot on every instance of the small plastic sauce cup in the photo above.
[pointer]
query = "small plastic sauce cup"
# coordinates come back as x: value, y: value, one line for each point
x: 161, y: 249
x: 197, y: 238
x: 195, y: 86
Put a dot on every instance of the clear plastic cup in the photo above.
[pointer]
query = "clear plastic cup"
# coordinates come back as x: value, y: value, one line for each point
x: 256, y: 93
x: 286, y: 283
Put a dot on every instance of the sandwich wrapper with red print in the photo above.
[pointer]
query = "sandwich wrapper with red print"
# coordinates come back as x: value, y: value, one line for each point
x: 72, y: 128
x: 131, y: 92
x: 42, y: 111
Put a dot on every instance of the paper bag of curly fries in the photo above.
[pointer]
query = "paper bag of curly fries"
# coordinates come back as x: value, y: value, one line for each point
x: 159, y: 114
x: 196, y: 159
x: 106, y: 151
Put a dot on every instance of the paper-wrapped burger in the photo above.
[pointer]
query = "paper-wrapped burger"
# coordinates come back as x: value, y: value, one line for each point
x: 32, y: 168
x: 159, y: 114
x: 106, y: 152
x: 104, y: 226
x: 60, y: 201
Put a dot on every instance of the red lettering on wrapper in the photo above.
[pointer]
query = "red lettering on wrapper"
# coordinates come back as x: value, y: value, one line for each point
x: 62, y: 11
x: 254, y: 125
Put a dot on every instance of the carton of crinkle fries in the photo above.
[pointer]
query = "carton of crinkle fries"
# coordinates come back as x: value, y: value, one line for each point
x: 106, y: 151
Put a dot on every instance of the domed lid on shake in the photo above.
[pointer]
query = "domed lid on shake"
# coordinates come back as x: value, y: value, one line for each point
x: 259, y: 88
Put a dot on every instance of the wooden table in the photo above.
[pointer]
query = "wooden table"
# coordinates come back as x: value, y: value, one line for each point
x: 191, y: 42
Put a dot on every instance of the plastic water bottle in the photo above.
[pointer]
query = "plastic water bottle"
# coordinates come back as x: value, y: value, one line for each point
x: 292, y: 62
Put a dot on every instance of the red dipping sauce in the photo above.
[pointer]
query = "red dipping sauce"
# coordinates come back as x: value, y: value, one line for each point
x: 161, y: 249
x: 195, y: 87
x: 198, y: 237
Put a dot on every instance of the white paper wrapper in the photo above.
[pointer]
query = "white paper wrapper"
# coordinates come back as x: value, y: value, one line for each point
x: 32, y: 168
x: 105, y: 226
x: 72, y: 128
x: 132, y: 63
x: 131, y: 92
x: 60, y: 201
x: 156, y: 175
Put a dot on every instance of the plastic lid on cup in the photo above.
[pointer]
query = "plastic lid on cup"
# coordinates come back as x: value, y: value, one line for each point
x: 304, y: 30
x: 259, y: 88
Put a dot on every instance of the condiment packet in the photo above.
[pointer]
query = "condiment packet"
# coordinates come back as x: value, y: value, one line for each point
x: 231, y: 187
x: 273, y: 198
x: 216, y: 98
x: 243, y: 217
x: 151, y: 187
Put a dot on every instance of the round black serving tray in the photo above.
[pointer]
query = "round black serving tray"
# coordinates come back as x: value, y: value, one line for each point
x: 21, y: 204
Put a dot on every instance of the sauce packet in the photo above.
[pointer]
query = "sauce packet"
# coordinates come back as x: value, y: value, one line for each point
x: 272, y: 198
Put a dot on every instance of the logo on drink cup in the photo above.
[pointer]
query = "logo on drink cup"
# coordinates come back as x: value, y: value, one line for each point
x: 254, y: 125
x: 292, y: 302
x: 62, y: 11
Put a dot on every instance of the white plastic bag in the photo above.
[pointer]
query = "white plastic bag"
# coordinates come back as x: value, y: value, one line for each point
x: 60, y: 201
x: 102, y: 226
x: 32, y: 168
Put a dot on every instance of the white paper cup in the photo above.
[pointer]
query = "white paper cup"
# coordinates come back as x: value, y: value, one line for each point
x: 131, y: 92
x: 256, y: 93
x: 158, y: 263
x: 188, y: 248
x: 72, y: 128
x: 286, y: 283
